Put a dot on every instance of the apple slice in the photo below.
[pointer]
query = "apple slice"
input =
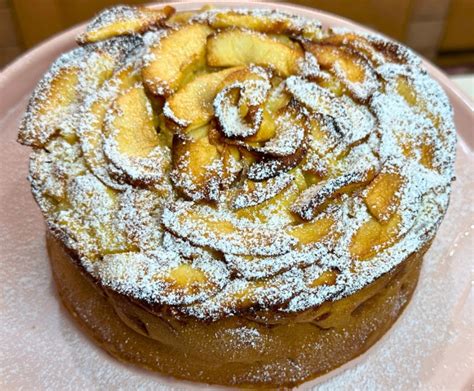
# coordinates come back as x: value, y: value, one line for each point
x: 175, y: 58
x: 237, y: 113
x: 290, y: 128
x: 264, y: 21
x: 123, y: 20
x: 53, y: 106
x: 132, y: 143
x: 52, y: 103
x: 320, y: 101
x: 165, y: 277
x: 88, y: 215
x: 269, y: 167
x: 313, y: 231
x: 356, y: 42
x: 276, y: 209
x: 317, y: 196
x: 277, y: 99
x: 382, y: 197
x: 191, y: 106
x: 231, y: 164
x: 327, y: 277
x: 256, y: 268
x: 197, y: 166
x: 90, y: 129
x: 374, y: 236
x: 350, y: 67
x: 206, y: 227
x: 240, y: 47
x: 307, y: 234
x: 254, y: 193
x: 132, y: 126
x: 237, y: 105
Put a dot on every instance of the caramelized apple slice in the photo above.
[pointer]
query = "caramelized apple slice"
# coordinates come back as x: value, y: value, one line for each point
x: 242, y: 74
x: 269, y: 167
x: 316, y: 197
x: 377, y: 49
x: 191, y: 106
x: 350, y: 67
x: 307, y: 234
x: 357, y: 43
x: 276, y: 101
x: 259, y: 267
x: 231, y: 165
x: 374, y: 236
x: 47, y: 173
x: 382, y: 197
x: 123, y: 20
x: 132, y: 143
x: 327, y: 277
x: 320, y: 101
x: 53, y: 106
x: 406, y: 90
x: 290, y: 128
x: 204, y: 226
x: 266, y: 21
x: 254, y: 267
x: 275, y: 209
x: 196, y: 166
x: 313, y: 231
x: 237, y: 105
x: 133, y: 125
x: 307, y: 250
x: 228, y: 108
x: 427, y: 158
x: 93, y: 116
x: 314, y: 167
x: 186, y: 277
x: 174, y: 59
x: 417, y: 99
x: 239, y: 47
x: 223, y: 20
x: 165, y: 277
x: 89, y: 199
x: 50, y: 107
x: 278, y: 124
x: 254, y: 193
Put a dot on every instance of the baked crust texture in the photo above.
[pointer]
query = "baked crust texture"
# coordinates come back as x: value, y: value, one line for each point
x: 239, y: 350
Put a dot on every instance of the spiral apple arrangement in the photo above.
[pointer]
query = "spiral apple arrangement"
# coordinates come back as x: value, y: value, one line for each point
x: 228, y: 160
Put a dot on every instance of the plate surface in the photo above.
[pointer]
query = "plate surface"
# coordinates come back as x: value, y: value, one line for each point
x: 429, y: 347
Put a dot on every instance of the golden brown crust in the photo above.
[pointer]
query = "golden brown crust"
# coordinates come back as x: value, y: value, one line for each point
x: 257, y: 351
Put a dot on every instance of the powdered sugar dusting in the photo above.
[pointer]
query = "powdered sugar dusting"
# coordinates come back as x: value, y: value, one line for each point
x: 311, y: 157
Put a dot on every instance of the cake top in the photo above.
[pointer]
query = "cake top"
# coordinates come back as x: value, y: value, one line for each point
x: 238, y: 161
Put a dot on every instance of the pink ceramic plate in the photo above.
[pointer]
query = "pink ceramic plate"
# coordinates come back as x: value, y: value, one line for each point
x: 430, y: 347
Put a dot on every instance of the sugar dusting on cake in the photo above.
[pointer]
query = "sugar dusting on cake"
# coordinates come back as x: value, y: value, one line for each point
x: 133, y: 233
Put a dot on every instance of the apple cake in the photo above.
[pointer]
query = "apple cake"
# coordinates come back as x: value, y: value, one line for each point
x: 233, y: 196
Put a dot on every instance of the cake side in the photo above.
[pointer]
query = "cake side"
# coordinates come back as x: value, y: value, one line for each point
x: 234, y: 162
x: 237, y: 350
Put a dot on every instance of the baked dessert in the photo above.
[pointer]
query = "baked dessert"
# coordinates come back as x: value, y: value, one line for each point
x: 239, y: 197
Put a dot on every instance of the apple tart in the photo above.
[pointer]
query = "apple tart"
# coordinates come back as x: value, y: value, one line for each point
x: 234, y: 196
